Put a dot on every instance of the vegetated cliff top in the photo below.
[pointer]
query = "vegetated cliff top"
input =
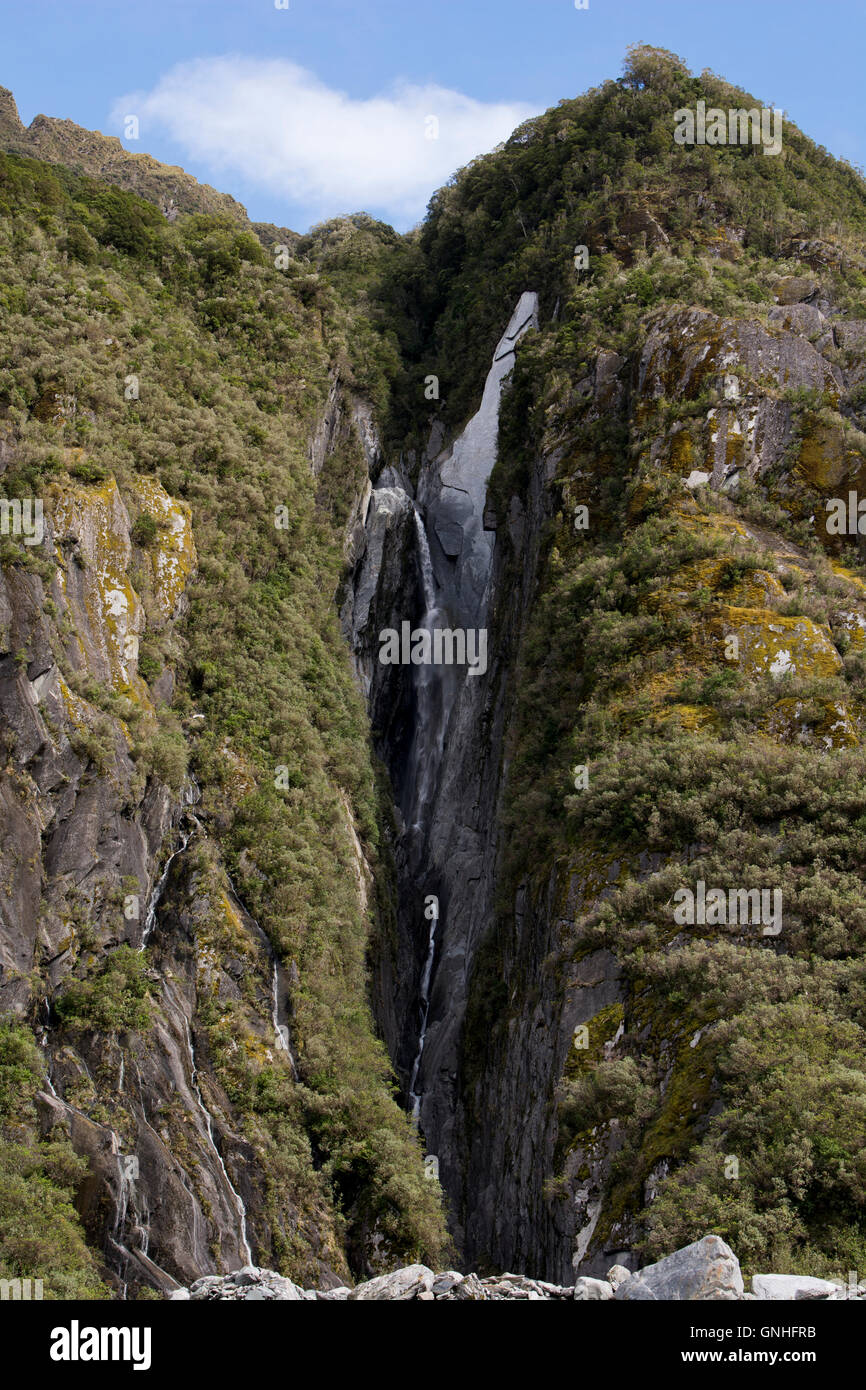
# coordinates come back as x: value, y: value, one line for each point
x: 104, y: 157
x: 603, y: 170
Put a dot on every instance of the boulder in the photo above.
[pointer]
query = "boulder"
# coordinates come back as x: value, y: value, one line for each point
x: 707, y: 1269
x: 399, y: 1286
x: 592, y: 1290
x: 793, y: 1286
x: 446, y: 1281
x: 793, y: 289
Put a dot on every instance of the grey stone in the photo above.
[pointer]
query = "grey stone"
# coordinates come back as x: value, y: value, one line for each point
x: 707, y: 1269
x: 445, y: 1282
x: 617, y: 1274
x: 791, y: 1286
x: 592, y: 1291
x: 399, y: 1286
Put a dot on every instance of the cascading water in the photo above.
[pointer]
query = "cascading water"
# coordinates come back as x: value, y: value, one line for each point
x: 208, y: 1120
x: 426, y: 976
x: 190, y: 797
x: 434, y: 693
x: 431, y: 713
x: 452, y: 492
x: 281, y: 1030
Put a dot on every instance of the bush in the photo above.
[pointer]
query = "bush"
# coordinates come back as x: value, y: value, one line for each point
x: 114, y: 1000
x: 40, y: 1232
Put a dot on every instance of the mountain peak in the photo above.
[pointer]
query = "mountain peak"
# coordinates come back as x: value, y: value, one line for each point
x: 61, y: 141
x: 10, y: 121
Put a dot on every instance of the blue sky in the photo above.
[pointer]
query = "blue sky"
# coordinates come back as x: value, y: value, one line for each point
x: 324, y: 107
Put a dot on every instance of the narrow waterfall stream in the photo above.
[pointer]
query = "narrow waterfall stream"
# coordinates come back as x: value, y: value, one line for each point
x: 190, y: 797
x: 434, y: 692
x: 431, y: 703
x: 426, y: 976
x: 455, y: 577
x: 208, y: 1120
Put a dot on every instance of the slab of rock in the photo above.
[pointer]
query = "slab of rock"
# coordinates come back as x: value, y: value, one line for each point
x: 398, y: 1287
x: 708, y: 1269
x: 617, y: 1275
x: 794, y: 1286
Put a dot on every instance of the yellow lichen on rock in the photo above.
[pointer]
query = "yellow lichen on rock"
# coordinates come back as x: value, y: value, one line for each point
x: 770, y: 644
x: 91, y: 540
x: 172, y: 558
x: 826, y: 722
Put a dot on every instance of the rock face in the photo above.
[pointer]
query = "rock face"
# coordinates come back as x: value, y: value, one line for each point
x: 166, y: 1169
x: 450, y: 853
x: 51, y: 806
x: 487, y: 1098
x: 453, y: 487
x: 92, y: 845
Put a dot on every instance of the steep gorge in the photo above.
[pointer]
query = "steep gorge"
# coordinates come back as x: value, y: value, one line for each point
x: 215, y: 895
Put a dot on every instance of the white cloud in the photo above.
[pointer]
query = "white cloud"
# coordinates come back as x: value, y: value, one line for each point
x: 279, y: 127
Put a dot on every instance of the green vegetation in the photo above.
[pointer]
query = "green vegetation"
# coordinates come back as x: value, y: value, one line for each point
x: 41, y: 1236
x: 233, y: 359
x: 733, y: 1045
x: 114, y: 999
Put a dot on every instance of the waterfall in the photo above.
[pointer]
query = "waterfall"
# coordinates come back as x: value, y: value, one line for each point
x: 435, y: 688
x: 282, y: 1037
x: 150, y: 919
x: 190, y: 796
x: 426, y: 976
x: 455, y: 579
x: 208, y: 1120
x: 281, y: 1030
x: 431, y: 702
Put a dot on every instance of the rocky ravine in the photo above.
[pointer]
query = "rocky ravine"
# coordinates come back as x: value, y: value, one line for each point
x: 701, y: 1272
x: 487, y: 1106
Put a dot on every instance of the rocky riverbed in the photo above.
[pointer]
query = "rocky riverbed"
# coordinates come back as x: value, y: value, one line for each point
x: 705, y: 1270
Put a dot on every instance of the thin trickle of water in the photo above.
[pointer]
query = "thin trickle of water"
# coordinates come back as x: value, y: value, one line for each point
x: 426, y: 976
x: 281, y: 1030
x: 208, y: 1119
x: 431, y: 706
x: 150, y: 919
x: 452, y: 489
x: 182, y: 1176
x: 124, y: 1185
x: 434, y: 694
x: 190, y: 796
